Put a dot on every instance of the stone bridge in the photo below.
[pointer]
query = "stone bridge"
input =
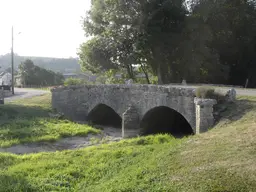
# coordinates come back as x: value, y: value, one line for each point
x: 137, y: 109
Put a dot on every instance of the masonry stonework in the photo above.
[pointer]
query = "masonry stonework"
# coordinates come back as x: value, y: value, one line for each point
x: 204, y: 114
x: 131, y: 102
x: 130, y: 122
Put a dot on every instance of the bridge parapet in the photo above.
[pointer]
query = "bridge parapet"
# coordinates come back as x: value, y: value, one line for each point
x: 173, y: 91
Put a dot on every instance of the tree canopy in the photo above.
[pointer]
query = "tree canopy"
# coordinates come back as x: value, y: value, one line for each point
x: 33, y: 75
x: 204, y: 41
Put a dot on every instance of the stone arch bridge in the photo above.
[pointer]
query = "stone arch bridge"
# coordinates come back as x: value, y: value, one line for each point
x: 138, y: 109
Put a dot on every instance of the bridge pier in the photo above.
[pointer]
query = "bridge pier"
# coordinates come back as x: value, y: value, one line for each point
x: 130, y: 123
x: 204, y: 114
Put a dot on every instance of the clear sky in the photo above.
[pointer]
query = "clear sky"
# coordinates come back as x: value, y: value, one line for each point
x: 48, y: 27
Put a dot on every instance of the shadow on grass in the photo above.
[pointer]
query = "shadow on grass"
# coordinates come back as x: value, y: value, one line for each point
x: 10, y: 183
x: 22, y: 122
x: 233, y: 111
x: 12, y: 111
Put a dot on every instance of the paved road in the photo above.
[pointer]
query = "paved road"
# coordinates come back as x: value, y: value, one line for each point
x: 245, y: 92
x: 25, y: 93
x: 239, y: 91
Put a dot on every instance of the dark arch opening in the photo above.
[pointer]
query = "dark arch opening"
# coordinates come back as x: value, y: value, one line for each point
x: 104, y: 115
x: 165, y: 120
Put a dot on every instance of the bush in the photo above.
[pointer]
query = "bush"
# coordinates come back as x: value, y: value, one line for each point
x: 205, y: 92
x: 75, y: 81
x: 209, y: 93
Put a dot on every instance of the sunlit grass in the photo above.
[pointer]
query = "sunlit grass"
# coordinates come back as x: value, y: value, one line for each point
x: 27, y: 120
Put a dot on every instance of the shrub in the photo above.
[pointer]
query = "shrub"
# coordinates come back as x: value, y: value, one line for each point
x: 205, y: 92
x: 75, y: 81
x: 210, y: 93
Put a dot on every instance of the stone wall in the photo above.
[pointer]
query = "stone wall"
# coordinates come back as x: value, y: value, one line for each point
x: 131, y: 102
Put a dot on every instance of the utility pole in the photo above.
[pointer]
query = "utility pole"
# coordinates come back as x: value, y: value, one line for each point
x: 12, y: 64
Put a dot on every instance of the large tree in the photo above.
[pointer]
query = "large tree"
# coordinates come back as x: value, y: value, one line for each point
x: 204, y: 41
x: 137, y: 32
x: 34, y: 75
x: 233, y: 27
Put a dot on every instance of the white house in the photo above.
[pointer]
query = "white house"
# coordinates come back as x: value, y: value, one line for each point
x: 5, y: 78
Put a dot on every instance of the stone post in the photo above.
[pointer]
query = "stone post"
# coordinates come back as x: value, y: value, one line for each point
x: 130, y: 123
x: 1, y: 96
x: 231, y: 95
x: 204, y: 114
x: 184, y: 82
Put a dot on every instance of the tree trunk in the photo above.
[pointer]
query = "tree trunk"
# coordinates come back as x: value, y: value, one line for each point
x: 161, y: 68
x: 161, y: 74
x: 130, y: 72
x: 146, y: 73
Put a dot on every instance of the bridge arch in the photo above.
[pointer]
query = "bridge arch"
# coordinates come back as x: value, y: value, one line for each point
x: 163, y: 119
x: 103, y: 114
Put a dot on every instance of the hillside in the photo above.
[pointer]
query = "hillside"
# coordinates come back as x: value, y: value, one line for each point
x: 54, y: 64
x: 222, y: 159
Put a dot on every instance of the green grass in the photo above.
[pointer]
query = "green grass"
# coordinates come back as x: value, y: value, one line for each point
x: 221, y: 160
x: 27, y: 120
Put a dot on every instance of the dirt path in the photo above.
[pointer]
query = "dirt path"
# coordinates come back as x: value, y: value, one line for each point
x: 108, y: 135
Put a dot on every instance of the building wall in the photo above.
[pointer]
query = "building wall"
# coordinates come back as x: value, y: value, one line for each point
x: 6, y: 79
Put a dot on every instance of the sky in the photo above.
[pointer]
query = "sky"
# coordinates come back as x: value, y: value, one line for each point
x: 48, y: 28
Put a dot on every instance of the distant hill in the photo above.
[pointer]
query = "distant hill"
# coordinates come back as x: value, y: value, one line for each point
x: 55, y: 64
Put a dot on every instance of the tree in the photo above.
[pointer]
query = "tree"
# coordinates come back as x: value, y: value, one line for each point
x: 136, y: 31
x: 204, y: 41
x: 233, y: 26
x: 95, y: 55
x: 34, y: 75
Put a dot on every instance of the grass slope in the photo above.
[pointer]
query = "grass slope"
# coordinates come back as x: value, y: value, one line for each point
x: 27, y: 120
x: 223, y: 159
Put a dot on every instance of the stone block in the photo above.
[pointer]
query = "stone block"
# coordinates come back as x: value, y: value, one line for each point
x: 231, y: 95
x: 204, y: 114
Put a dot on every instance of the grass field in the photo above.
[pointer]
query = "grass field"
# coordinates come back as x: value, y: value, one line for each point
x: 28, y: 120
x: 221, y: 160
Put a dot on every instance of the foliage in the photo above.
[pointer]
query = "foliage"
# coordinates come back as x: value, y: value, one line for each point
x: 222, y: 159
x: 202, y: 42
x: 27, y: 120
x: 111, y: 76
x: 233, y: 28
x: 209, y: 93
x: 34, y: 75
x: 204, y: 92
x: 75, y: 81
x: 121, y: 34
